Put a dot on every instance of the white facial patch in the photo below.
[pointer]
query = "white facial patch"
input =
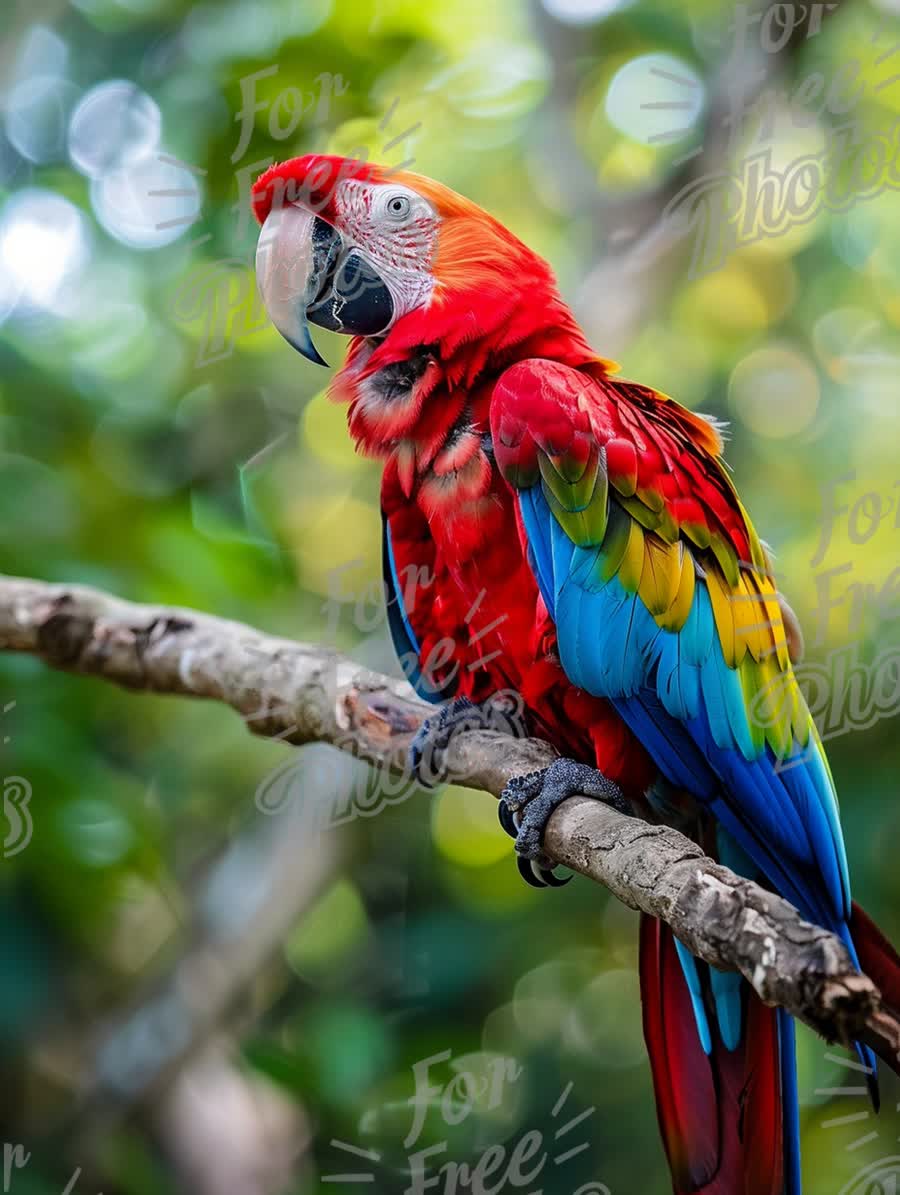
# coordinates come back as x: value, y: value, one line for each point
x: 395, y: 229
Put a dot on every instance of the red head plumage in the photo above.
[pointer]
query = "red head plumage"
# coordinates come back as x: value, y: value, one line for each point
x: 486, y: 291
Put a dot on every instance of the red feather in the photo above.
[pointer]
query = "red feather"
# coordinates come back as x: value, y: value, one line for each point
x: 720, y: 1116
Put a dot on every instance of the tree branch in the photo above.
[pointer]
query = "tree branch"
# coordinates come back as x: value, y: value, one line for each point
x: 302, y: 693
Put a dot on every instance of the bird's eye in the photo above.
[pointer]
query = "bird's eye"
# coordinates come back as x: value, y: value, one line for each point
x: 398, y: 206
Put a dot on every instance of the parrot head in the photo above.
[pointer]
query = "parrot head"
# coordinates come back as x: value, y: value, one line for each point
x: 370, y: 252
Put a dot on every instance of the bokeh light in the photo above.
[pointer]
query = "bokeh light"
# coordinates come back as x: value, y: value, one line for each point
x: 655, y: 99
x: 114, y: 124
x: 44, y: 242
x: 582, y: 12
x: 775, y: 392
x: 149, y: 202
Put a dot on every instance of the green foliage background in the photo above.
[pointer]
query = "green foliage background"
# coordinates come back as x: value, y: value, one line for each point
x: 130, y: 460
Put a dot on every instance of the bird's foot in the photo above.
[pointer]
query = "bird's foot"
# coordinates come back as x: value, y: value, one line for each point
x: 428, y: 750
x: 527, y: 803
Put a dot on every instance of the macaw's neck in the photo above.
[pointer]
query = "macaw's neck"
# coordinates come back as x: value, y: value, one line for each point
x: 419, y: 398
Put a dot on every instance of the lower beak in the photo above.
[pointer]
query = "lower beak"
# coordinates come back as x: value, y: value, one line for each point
x: 306, y: 274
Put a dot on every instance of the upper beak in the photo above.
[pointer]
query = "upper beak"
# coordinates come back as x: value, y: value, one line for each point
x: 305, y: 272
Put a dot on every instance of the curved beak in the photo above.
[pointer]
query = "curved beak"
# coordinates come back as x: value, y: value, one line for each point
x: 306, y: 274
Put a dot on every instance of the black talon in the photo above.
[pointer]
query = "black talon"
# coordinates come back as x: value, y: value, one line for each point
x: 552, y: 880
x: 528, y: 874
x: 507, y: 819
x: 540, y: 877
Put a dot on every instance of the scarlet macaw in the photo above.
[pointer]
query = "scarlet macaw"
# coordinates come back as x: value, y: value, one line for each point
x: 584, y: 546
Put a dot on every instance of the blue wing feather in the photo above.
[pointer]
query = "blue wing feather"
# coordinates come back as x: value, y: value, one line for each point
x: 678, y: 695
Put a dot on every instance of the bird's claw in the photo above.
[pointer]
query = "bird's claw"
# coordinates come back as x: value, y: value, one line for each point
x: 429, y: 747
x: 540, y: 873
x: 528, y: 801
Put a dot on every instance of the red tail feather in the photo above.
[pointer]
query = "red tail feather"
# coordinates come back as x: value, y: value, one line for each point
x: 720, y: 1116
x: 880, y: 961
